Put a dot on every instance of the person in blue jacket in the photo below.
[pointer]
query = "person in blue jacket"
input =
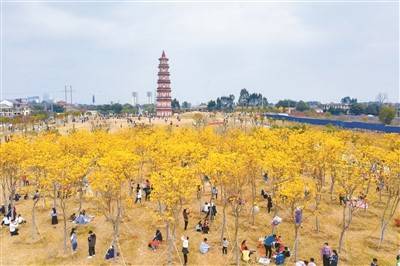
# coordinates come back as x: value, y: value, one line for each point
x: 280, y: 259
x: 268, y: 242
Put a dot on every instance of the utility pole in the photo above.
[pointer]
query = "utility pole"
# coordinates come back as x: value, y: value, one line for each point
x: 66, y: 100
x: 70, y: 90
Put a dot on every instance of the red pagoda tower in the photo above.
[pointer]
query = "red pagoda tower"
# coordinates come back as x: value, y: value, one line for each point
x: 163, y: 102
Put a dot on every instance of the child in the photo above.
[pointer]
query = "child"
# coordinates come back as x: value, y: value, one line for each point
x: 225, y: 244
x: 199, y: 227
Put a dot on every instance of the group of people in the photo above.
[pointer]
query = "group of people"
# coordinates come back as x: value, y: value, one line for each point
x: 329, y: 257
x: 11, y: 219
x: 210, y: 210
x: 276, y: 249
x: 91, y: 242
x: 147, y: 188
x: 203, y: 227
x: 82, y: 218
x: 156, y: 241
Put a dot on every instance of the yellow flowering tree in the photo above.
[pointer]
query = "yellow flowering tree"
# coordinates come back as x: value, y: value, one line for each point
x: 13, y: 155
x: 109, y: 178
x: 296, y: 194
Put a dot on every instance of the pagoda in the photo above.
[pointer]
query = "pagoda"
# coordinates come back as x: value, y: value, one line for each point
x: 163, y: 100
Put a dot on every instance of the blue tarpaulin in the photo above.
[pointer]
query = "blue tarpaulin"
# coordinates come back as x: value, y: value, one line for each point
x: 337, y: 123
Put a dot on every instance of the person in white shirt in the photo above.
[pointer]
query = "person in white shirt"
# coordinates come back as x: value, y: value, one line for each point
x: 204, y: 247
x: 5, y: 221
x: 311, y: 263
x: 138, y: 195
x: 20, y: 219
x: 300, y: 263
x: 185, y: 248
x: 206, y: 207
x: 14, y: 228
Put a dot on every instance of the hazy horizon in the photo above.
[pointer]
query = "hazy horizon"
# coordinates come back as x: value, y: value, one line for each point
x: 298, y: 51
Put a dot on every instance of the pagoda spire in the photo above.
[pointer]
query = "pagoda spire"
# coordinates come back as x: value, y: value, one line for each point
x: 163, y: 104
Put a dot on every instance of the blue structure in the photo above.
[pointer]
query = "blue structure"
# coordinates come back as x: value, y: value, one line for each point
x: 337, y: 123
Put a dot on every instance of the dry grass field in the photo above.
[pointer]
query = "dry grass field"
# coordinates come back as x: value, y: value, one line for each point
x: 140, y: 222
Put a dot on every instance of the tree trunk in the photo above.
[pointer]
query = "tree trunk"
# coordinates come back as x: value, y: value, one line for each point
x: 343, y: 227
x: 55, y: 195
x: 253, y: 199
x: 383, y: 228
x: 384, y: 222
x: 296, y: 241
x: 12, y: 196
x: 44, y: 201
x: 5, y: 198
x: 332, y: 187
x: 317, y: 202
x: 223, y: 218
x: 116, y: 228
x: 115, y: 239
x: 80, y: 199
x: 62, y: 204
x: 34, y: 231
x: 160, y: 207
x: 237, y: 256
x: 170, y: 243
x: 345, y: 224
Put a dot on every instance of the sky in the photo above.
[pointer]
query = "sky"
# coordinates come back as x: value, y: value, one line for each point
x: 310, y: 51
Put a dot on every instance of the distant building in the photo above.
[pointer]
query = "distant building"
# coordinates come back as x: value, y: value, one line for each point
x: 313, y: 104
x: 163, y: 103
x: 12, y: 108
x: 62, y: 103
x: 338, y: 106
x: 33, y: 99
x: 201, y: 108
x: 318, y: 110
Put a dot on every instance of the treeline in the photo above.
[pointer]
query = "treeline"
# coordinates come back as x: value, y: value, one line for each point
x: 246, y: 99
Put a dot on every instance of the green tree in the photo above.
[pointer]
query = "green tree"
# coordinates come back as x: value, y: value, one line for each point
x: 186, y: 105
x: 286, y: 103
x: 387, y: 114
x: 211, y: 106
x: 357, y: 109
x: 243, y: 98
x: 175, y: 104
x: 302, y: 106
x: 116, y: 108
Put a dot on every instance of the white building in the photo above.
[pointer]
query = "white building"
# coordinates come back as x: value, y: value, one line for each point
x: 11, y: 108
x: 341, y: 106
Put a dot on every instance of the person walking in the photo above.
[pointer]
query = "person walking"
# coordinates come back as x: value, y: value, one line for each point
x: 54, y: 219
x: 225, y: 244
x: 138, y: 194
x: 326, y: 253
x: 92, y: 244
x: 185, y: 249
x: 74, y: 240
x: 269, y: 202
x: 186, y: 217
x: 147, y: 190
x: 214, y: 192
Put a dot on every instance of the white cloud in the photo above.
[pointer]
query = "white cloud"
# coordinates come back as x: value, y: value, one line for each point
x: 132, y: 25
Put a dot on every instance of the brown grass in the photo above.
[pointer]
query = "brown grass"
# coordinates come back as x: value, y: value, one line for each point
x: 141, y: 221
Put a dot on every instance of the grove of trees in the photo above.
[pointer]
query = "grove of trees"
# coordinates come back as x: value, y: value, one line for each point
x: 304, y: 166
